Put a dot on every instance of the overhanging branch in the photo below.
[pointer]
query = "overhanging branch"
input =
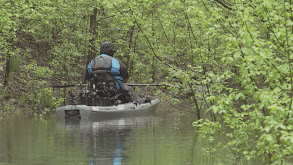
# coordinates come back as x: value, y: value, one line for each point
x: 224, y: 4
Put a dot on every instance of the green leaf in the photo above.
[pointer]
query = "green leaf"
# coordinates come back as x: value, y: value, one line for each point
x: 237, y: 54
x: 239, y: 95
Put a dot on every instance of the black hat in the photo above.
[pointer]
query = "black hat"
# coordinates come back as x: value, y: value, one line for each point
x: 107, y: 47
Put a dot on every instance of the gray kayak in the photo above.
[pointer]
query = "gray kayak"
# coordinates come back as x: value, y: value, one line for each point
x: 95, y: 112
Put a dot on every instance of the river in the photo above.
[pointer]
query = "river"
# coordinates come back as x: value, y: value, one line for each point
x: 162, y: 139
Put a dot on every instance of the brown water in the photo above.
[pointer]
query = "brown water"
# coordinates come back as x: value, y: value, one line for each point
x: 167, y: 139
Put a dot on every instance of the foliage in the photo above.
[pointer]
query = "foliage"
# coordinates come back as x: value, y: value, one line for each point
x: 254, y: 96
x: 231, y: 59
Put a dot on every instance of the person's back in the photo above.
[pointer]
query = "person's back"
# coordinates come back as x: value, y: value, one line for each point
x: 106, y: 62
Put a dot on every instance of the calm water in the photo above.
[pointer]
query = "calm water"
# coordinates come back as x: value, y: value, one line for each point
x: 167, y: 139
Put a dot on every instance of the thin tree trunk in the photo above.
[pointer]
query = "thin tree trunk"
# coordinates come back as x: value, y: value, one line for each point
x: 129, y: 47
x: 93, y: 27
x: 154, y: 59
x: 7, y: 71
x: 93, y: 34
x: 132, y: 60
x: 154, y: 70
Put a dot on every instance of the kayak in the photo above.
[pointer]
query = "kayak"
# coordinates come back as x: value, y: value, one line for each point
x: 96, y: 112
x: 99, y: 101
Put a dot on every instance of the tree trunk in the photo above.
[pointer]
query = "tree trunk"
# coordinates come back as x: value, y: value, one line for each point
x: 154, y: 69
x: 131, y: 67
x: 93, y: 34
x: 93, y: 27
x: 129, y: 47
x: 7, y: 71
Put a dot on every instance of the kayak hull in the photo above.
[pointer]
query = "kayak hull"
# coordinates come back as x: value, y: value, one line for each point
x: 96, y: 112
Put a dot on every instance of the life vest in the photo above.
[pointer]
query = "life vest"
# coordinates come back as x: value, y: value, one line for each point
x: 105, y: 62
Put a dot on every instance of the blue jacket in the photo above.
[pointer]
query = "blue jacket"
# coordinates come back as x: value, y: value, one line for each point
x: 115, y: 70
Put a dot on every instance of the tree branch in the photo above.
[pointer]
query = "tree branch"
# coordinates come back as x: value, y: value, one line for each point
x: 224, y: 4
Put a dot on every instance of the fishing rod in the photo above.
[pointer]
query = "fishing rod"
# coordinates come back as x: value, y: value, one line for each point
x: 70, y: 85
x: 146, y: 85
x: 128, y: 84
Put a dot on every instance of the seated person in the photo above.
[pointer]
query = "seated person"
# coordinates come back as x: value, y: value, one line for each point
x: 106, y: 62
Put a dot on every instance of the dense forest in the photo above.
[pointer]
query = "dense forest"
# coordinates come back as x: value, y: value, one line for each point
x: 232, y: 59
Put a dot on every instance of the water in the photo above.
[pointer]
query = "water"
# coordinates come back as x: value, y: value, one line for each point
x: 162, y: 139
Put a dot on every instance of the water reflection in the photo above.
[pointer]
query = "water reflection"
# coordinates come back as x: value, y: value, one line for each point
x: 105, y: 139
x: 167, y: 139
x: 5, y: 154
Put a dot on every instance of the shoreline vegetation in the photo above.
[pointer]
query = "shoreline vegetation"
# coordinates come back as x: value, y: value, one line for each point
x: 232, y: 60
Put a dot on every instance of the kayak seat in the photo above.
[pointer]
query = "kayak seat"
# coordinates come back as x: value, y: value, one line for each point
x: 103, y: 79
x: 102, y: 89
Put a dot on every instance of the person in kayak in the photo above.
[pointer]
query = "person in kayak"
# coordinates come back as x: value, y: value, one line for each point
x: 106, y: 62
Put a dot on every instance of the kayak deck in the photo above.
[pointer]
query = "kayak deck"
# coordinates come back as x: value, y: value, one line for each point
x: 84, y: 111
